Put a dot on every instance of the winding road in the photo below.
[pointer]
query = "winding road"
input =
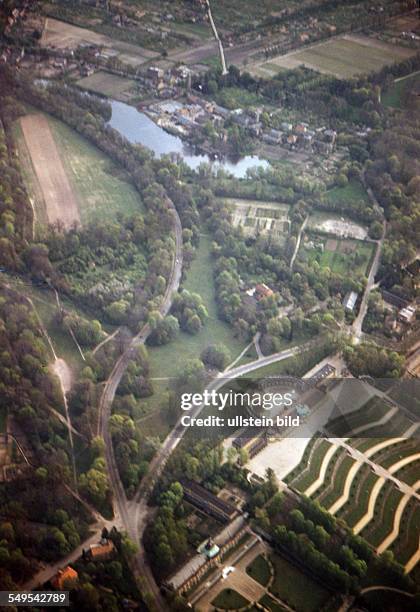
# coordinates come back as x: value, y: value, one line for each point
x: 121, y: 504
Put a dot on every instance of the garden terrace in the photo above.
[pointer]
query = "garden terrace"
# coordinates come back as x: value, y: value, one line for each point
x: 360, y: 493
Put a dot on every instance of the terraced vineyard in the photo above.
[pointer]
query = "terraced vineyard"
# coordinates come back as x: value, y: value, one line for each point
x: 372, y: 483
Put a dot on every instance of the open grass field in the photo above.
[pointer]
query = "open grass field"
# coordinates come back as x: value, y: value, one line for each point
x: 169, y: 360
x: 352, y: 192
x: 59, y: 202
x: 98, y: 186
x: 345, y: 56
x: 110, y: 85
x: 200, y: 31
x: 296, y: 588
x: 396, y: 95
x: 102, y: 188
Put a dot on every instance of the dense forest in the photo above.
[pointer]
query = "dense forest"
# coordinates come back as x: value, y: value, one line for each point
x: 41, y: 520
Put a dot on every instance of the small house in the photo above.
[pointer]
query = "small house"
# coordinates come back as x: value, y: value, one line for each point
x: 65, y: 578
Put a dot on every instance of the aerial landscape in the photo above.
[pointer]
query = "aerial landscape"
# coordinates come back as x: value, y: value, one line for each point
x: 210, y: 305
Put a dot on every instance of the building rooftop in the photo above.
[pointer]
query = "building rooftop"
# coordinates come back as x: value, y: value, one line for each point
x: 195, y: 492
x: 350, y: 300
x: 64, y: 576
x: 102, y: 549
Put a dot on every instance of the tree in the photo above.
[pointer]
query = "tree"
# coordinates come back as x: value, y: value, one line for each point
x: 164, y: 330
x: 216, y: 356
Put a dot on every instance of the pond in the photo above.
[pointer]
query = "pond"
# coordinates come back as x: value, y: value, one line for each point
x: 140, y: 129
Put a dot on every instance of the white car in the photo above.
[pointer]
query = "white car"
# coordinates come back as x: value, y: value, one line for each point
x: 226, y: 571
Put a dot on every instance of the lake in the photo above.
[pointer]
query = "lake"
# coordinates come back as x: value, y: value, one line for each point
x: 140, y: 129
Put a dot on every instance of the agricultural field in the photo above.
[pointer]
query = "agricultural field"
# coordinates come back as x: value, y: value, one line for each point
x: 344, y: 57
x: 344, y: 256
x: 59, y: 203
x: 98, y: 186
x: 258, y: 217
x: 63, y: 35
x: 110, y: 85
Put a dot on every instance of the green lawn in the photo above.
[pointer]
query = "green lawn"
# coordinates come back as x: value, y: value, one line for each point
x: 296, y: 588
x: 229, y: 600
x: 395, y: 95
x: 166, y: 362
x: 237, y: 97
x: 259, y: 570
x: 334, y: 492
x: 249, y: 356
x: 169, y: 360
x: 196, y: 30
x: 316, y: 458
x: 407, y: 542
x: 100, y: 185
x: 352, y: 192
x: 391, y: 455
x: 381, y: 525
x: 296, y: 365
x: 110, y: 85
x: 360, y: 492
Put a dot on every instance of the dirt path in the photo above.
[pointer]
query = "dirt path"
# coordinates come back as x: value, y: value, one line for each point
x: 299, y: 238
x: 60, y: 201
x: 62, y: 370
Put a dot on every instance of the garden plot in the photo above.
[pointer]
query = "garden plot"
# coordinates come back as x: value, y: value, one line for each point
x: 341, y: 255
x: 257, y: 217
